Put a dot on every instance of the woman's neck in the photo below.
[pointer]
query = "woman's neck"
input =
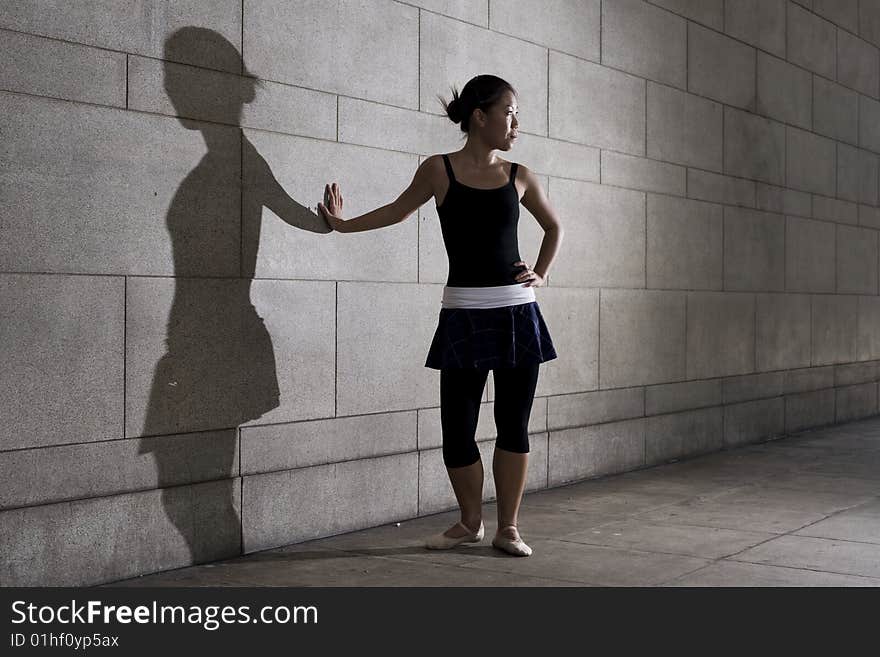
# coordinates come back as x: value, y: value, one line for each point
x: 478, y: 154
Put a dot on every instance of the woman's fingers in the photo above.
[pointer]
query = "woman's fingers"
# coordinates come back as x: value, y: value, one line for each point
x: 332, y: 198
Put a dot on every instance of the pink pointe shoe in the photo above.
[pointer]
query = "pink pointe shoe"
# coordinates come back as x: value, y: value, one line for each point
x: 514, y: 546
x: 443, y: 542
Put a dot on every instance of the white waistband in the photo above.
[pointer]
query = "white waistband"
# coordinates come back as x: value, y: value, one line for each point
x: 486, y: 297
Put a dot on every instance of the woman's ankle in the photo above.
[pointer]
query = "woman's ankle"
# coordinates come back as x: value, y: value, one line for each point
x: 472, y: 523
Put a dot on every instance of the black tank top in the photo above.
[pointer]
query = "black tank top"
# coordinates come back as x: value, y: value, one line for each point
x: 479, y: 231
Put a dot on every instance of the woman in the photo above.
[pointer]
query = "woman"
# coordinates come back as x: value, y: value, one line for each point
x: 489, y: 318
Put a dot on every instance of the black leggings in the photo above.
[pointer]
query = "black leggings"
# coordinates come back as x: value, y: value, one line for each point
x: 460, y: 393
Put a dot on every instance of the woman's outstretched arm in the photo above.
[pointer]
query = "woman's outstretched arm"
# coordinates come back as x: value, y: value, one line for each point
x: 414, y: 196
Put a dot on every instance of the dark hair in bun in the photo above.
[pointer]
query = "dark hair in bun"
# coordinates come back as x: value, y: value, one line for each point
x: 480, y: 92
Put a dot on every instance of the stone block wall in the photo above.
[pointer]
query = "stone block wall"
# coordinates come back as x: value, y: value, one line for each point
x: 194, y: 369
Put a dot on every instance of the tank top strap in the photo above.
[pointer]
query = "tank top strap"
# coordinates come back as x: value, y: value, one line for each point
x: 448, y: 168
x: 513, y: 168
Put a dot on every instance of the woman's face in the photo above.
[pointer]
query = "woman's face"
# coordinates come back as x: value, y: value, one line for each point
x: 501, y: 125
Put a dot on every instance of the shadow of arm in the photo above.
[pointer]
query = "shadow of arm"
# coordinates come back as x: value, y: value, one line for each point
x: 291, y: 211
x: 261, y: 182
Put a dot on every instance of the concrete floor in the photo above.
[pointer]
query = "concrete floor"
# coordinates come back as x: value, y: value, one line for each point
x: 800, y: 511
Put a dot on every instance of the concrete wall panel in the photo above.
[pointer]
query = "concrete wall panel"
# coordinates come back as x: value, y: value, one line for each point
x: 855, y: 402
x: 373, y: 53
x: 372, y: 317
x: 857, y: 171
x: 298, y: 505
x: 810, y: 162
x: 754, y: 250
x: 575, y: 454
x: 138, y: 26
x: 46, y: 67
x: 844, y: 13
x: 856, y: 260
x: 641, y: 39
x: 809, y: 378
x: 569, y: 27
x: 809, y: 410
x: 318, y: 442
x: 472, y: 11
x: 869, y: 124
x: 868, y: 338
x: 832, y: 209
x: 720, y: 67
x: 720, y: 334
x: 782, y: 331
x: 834, y: 332
x: 152, y: 86
x: 809, y: 255
x: 681, y: 435
x: 810, y: 41
x: 639, y: 173
x: 753, y: 421
x: 70, y: 472
x: 604, y: 232
x: 853, y: 373
x: 684, y: 243
x: 616, y: 119
x: 68, y: 176
x: 577, y: 410
x: 641, y: 337
x: 683, y: 128
x: 213, y: 354
x: 707, y: 186
x: 707, y: 12
x: 672, y: 397
x: 835, y: 111
x: 572, y: 317
x: 746, y: 387
x: 858, y: 64
x: 78, y: 543
x: 62, y: 374
x: 785, y: 91
x: 754, y: 147
x: 758, y: 22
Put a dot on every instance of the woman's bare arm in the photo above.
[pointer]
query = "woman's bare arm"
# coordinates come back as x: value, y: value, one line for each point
x: 536, y: 202
x: 420, y: 190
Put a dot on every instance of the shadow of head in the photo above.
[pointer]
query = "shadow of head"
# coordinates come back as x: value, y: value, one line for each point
x: 200, y: 94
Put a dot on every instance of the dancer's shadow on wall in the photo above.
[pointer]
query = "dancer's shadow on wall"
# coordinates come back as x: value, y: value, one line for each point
x: 218, y: 371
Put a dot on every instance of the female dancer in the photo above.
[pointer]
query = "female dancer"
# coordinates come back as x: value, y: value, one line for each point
x: 489, y: 318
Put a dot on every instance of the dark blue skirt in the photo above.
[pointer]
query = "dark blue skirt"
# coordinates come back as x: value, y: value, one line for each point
x: 490, y: 337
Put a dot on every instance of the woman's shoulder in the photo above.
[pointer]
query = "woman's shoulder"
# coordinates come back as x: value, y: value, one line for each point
x: 519, y: 165
x: 434, y: 161
x: 433, y: 165
x: 522, y: 171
